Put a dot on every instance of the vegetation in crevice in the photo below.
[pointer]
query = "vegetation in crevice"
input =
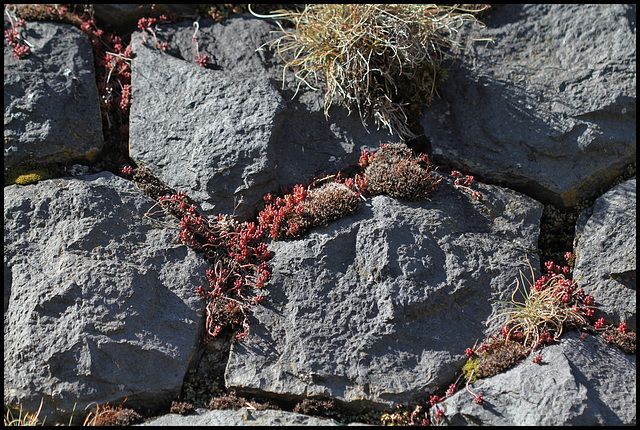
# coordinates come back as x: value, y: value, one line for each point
x: 378, y: 60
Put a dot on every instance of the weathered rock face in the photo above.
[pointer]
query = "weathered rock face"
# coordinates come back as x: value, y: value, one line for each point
x: 241, y: 417
x: 569, y: 387
x: 605, y: 248
x: 556, y: 90
x: 374, y: 309
x: 51, y: 107
x: 227, y: 135
x: 99, y: 301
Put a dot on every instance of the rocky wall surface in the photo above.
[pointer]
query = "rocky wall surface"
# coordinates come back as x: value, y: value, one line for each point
x: 371, y: 310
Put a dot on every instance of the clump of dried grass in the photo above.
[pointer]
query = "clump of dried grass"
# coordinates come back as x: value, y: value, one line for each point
x: 375, y: 58
x: 549, y: 306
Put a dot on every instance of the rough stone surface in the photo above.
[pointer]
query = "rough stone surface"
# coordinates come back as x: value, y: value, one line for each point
x: 374, y: 309
x: 51, y: 108
x: 241, y: 417
x: 556, y: 90
x: 123, y: 17
x: 569, y: 387
x: 605, y: 248
x: 226, y: 134
x: 100, y: 298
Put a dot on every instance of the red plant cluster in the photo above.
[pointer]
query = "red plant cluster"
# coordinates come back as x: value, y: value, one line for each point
x: 113, y: 76
x: 565, y: 287
x: 148, y: 24
x: 20, y: 49
x: 464, y: 182
x: 437, y: 413
x: 306, y: 207
x: 277, y: 210
x: 238, y: 257
x: 477, y: 398
x: 394, y: 170
x: 126, y: 171
x: 622, y: 328
x: 202, y: 60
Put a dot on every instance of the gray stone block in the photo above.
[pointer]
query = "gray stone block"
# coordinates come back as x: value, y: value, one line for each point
x: 100, y: 304
x: 605, y: 248
x: 227, y: 135
x: 377, y: 308
x: 51, y: 106
x: 556, y: 90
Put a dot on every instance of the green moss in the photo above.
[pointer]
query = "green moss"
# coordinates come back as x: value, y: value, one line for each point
x: 470, y: 370
x: 26, y: 176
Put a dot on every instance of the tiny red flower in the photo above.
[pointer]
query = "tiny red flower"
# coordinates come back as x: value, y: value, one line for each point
x: 599, y: 324
x: 451, y: 390
x: 550, y: 266
x: 439, y: 414
x: 126, y: 171
x: 21, y: 51
x: 622, y: 328
x: 537, y: 359
x: 545, y: 337
x: 204, y: 60
x: 145, y: 23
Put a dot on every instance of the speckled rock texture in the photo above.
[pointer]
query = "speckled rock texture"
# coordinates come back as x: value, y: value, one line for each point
x: 51, y: 106
x: 367, y: 311
x: 99, y: 302
x: 555, y: 89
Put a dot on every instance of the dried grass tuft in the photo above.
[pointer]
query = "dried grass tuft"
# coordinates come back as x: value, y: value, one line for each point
x: 375, y: 58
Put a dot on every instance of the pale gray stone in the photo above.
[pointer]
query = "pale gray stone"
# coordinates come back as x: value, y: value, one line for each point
x: 555, y: 90
x: 377, y: 308
x: 241, y: 417
x: 99, y: 298
x: 51, y: 106
x: 569, y: 387
x: 605, y: 248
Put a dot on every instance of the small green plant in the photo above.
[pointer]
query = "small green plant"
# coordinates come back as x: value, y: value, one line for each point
x: 377, y: 59
x: 26, y: 176
x: 28, y: 419
x: 470, y: 369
